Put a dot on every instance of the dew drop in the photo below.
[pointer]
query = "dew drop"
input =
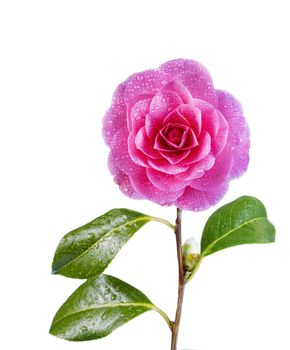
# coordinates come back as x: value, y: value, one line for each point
x: 84, y: 329
x: 91, y: 235
x: 113, y: 297
x: 105, y: 315
x: 139, y: 77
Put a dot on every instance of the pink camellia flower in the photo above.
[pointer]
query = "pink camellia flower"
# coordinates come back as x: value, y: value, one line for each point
x: 174, y: 139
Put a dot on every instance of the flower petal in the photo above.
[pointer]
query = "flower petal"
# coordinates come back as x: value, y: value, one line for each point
x: 119, y: 152
x: 175, y: 117
x: 153, y: 123
x: 217, y: 175
x: 193, y: 76
x: 174, y: 137
x: 175, y: 157
x: 164, y: 166
x: 121, y: 179
x: 145, y: 188
x: 220, y: 139
x: 115, y: 118
x: 241, y: 159
x: 136, y: 155
x: 164, y: 102
x: 140, y: 85
x: 136, y: 118
x: 229, y: 106
x: 143, y: 143
x: 196, y: 170
x: 199, y: 152
x: 165, y: 182
x: 238, y: 138
x: 197, y: 200
x: 192, y: 115
x: 180, y: 90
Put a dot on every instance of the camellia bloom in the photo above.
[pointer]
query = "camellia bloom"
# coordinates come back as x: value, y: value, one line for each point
x: 174, y: 139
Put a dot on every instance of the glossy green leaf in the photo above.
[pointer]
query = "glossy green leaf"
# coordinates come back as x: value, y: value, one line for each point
x: 88, y: 250
x: 239, y: 222
x: 97, y: 308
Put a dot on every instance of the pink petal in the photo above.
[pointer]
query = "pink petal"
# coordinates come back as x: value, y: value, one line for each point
x: 199, y: 152
x: 210, y: 117
x: 217, y: 175
x: 153, y: 123
x: 189, y: 140
x: 180, y: 90
x: 238, y: 138
x: 119, y: 152
x: 124, y: 162
x: 119, y: 141
x: 175, y: 157
x: 121, y: 179
x: 228, y: 105
x: 215, y: 123
x: 197, y: 169
x: 198, y: 86
x: 165, y: 182
x: 175, y: 117
x: 164, y: 166
x: 136, y: 155
x: 240, y: 159
x: 193, y: 76
x: 136, y: 118
x: 145, y: 188
x: 164, y: 102
x: 115, y: 118
x: 197, y: 200
x: 163, y: 143
x: 220, y: 139
x: 144, y: 84
x: 144, y: 144
x: 192, y: 115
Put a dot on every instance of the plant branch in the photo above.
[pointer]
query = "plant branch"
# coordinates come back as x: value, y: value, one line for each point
x: 181, y: 280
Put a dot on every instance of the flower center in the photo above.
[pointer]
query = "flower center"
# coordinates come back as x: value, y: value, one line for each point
x: 174, y: 135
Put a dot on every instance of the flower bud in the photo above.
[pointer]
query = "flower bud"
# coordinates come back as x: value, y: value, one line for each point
x: 190, y: 254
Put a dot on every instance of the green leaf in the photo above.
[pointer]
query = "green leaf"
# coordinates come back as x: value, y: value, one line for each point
x: 239, y: 222
x: 88, y: 250
x: 98, y: 307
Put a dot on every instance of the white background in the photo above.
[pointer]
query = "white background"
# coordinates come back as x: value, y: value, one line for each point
x: 60, y: 63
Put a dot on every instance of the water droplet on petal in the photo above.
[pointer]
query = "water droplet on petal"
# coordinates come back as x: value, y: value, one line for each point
x: 139, y: 77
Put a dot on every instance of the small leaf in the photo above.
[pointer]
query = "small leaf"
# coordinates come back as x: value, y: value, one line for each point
x: 88, y: 250
x: 239, y: 222
x: 97, y: 308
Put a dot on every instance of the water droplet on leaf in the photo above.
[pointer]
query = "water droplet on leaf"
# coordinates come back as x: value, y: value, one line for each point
x: 84, y: 329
